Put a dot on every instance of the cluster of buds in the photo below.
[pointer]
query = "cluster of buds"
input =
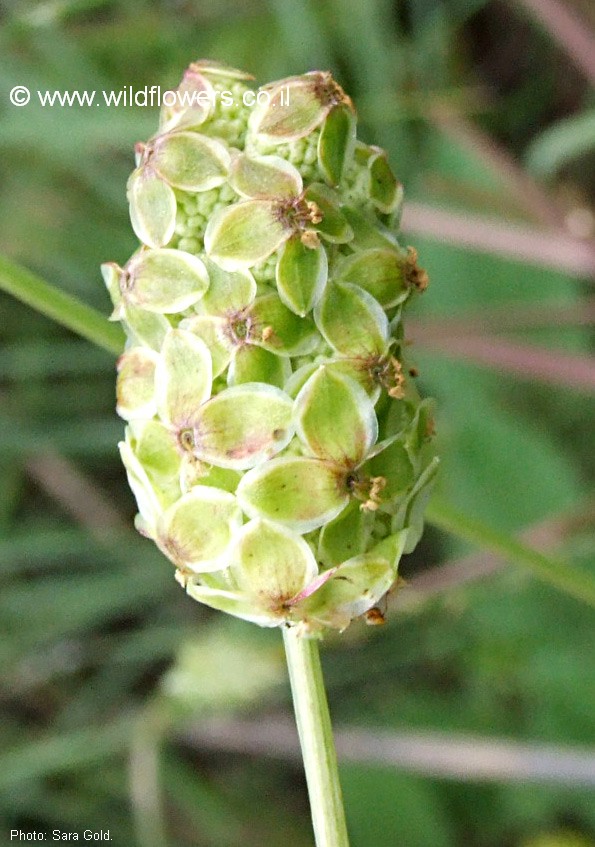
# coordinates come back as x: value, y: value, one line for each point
x: 276, y: 444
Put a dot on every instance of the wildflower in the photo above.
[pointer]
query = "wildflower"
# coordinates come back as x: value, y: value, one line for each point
x: 278, y: 450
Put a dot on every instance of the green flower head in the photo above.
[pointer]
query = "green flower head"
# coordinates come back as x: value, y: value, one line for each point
x: 276, y: 444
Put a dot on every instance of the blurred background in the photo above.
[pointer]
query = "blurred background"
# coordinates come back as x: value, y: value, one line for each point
x: 467, y: 719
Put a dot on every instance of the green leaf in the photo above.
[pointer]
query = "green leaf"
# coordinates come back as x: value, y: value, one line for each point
x: 366, y: 233
x: 336, y: 143
x: 190, y: 161
x: 351, y: 321
x: 335, y: 418
x: 152, y: 207
x: 301, y: 494
x: 135, y: 386
x: 302, y: 273
x: 156, y: 449
x: 561, y: 143
x: 265, y: 177
x: 243, y: 426
x: 279, y: 330
x: 244, y: 234
x: 255, y: 364
x: 165, y: 281
x: 230, y: 602
x: 146, y: 328
x: 196, y: 531
x: 378, y: 271
x: 271, y: 564
x: 183, y: 378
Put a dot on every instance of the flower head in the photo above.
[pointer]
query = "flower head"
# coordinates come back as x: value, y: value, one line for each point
x: 277, y: 447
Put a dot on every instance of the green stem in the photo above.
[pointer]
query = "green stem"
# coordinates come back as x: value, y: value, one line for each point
x: 574, y: 581
x: 316, y: 738
x: 59, y: 306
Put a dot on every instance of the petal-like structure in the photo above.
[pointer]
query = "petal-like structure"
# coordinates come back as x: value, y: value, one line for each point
x: 265, y: 177
x: 135, y: 387
x: 152, y: 207
x: 335, y: 418
x: 183, y: 378
x: 243, y: 426
x: 302, y: 273
x: 190, y: 161
x: 244, y: 234
x: 165, y: 281
x: 195, y: 533
x: 352, y: 321
x: 299, y: 493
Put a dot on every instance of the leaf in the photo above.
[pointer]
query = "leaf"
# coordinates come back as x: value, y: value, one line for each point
x: 351, y: 321
x: 243, y: 426
x: 196, y: 531
x: 183, y: 378
x: 346, y: 536
x: 152, y: 207
x: 335, y: 418
x: 165, y: 281
x: 244, y: 234
x: 265, y: 177
x: 190, y: 161
x: 301, y: 273
x: 336, y: 143
x: 301, y: 494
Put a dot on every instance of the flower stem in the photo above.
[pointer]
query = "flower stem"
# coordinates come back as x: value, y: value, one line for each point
x: 316, y: 738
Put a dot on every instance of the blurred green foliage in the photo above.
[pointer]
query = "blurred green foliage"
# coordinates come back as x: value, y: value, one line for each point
x: 95, y: 632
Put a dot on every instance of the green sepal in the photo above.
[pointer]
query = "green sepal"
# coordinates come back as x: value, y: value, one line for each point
x: 212, y: 331
x: 384, y: 188
x: 144, y: 328
x: 301, y: 274
x: 156, y: 449
x: 165, y: 281
x: 366, y: 233
x: 271, y: 565
x: 334, y: 226
x: 354, y: 587
x: 148, y: 503
x: 298, y: 379
x: 135, y: 385
x: 301, y: 494
x: 212, y: 68
x: 351, y: 321
x: 346, y: 536
x: 290, y: 110
x: 410, y: 515
x: 255, y: 364
x: 189, y: 161
x: 152, y: 207
x: 265, y: 177
x: 394, y: 464
x: 378, y: 271
x: 195, y: 101
x: 195, y: 532
x: 335, y: 143
x: 244, y: 234
x: 335, y: 418
x: 228, y: 291
x: 279, y: 330
x: 243, y: 426
x: 230, y: 602
x: 183, y: 378
x: 112, y: 273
